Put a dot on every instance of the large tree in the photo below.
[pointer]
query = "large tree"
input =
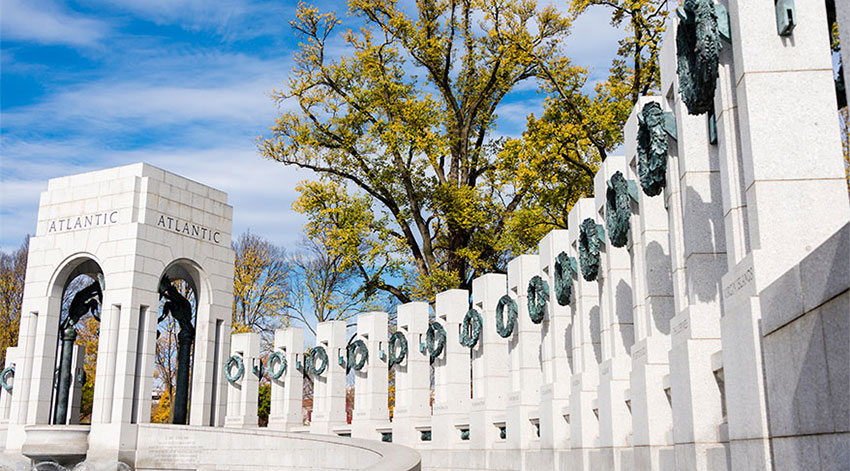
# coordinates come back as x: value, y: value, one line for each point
x: 406, y: 121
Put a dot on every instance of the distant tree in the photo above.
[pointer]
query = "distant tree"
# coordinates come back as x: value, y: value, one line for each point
x: 165, y: 362
x: 87, y: 336
x: 322, y: 289
x: 161, y: 410
x: 13, y: 268
x: 260, y: 281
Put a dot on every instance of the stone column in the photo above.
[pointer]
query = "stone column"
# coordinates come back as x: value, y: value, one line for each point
x: 287, y: 395
x: 6, y: 396
x: 122, y: 352
x: 587, y: 351
x: 698, y: 258
x: 525, y: 366
x: 212, y: 336
x: 243, y: 394
x: 489, y: 372
x: 329, y: 387
x: 75, y: 396
x: 451, y: 374
x: 791, y: 207
x: 652, y: 293
x: 412, y: 377
x: 615, y: 294
x: 371, y: 383
x: 555, y: 390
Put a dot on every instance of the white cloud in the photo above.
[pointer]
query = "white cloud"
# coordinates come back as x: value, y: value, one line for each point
x: 593, y: 42
x: 44, y: 22
x: 217, y: 90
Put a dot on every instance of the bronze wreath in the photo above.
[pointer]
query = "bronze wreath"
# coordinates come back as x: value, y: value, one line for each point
x: 697, y: 54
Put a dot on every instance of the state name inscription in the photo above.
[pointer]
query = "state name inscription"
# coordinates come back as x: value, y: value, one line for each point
x: 85, y: 221
x: 189, y: 229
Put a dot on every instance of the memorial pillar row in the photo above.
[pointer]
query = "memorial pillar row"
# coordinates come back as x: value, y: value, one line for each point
x: 555, y: 390
x: 328, y: 385
x: 523, y: 407
x: 451, y: 374
x: 489, y: 368
x: 412, y: 377
x: 587, y: 349
x: 12, y: 359
x: 652, y: 293
x: 372, y: 381
x: 793, y: 202
x: 242, y: 394
x: 615, y: 292
x: 288, y: 390
x: 698, y: 248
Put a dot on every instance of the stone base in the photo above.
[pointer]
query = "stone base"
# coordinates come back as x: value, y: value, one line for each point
x: 654, y: 458
x: 702, y: 457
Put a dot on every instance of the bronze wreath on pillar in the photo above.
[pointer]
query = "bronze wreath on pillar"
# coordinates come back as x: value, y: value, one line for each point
x: 618, y: 210
x: 652, y: 149
x: 565, y: 266
x: 589, y: 243
x: 697, y: 54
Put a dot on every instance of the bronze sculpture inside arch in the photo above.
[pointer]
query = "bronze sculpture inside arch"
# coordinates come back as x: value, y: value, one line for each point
x: 181, y: 310
x: 86, y: 300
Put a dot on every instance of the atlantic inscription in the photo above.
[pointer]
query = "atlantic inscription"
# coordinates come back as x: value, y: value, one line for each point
x: 189, y: 229
x: 85, y: 221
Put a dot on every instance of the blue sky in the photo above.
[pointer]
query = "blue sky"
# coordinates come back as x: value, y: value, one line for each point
x: 180, y: 84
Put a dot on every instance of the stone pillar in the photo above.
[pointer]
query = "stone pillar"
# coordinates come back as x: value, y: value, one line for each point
x: 329, y: 387
x: 6, y: 396
x: 489, y: 371
x: 122, y: 351
x: 652, y: 294
x: 615, y: 294
x: 451, y: 374
x: 412, y: 377
x: 243, y: 394
x: 587, y: 351
x: 287, y: 395
x: 75, y: 396
x: 764, y: 132
x: 698, y: 258
x: 371, y: 383
x: 525, y: 366
x: 555, y: 390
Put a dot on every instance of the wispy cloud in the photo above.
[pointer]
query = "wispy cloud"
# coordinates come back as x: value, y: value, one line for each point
x: 200, y: 121
x: 44, y: 22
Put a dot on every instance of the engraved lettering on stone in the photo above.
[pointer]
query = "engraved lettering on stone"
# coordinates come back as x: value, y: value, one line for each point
x: 740, y: 282
x: 85, y: 221
x: 189, y: 228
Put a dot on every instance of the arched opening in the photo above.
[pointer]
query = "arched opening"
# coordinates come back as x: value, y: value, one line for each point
x: 77, y: 342
x: 175, y: 344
